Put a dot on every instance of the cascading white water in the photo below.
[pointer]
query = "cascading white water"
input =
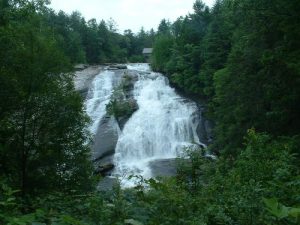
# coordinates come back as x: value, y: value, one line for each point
x: 139, y: 67
x: 162, y: 126
x: 98, y: 97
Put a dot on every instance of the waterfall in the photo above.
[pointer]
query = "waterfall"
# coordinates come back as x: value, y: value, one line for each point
x: 98, y: 96
x: 161, y: 128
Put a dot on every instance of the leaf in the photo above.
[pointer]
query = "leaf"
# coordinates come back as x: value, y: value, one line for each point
x: 276, y: 209
x: 271, y: 203
x: 295, y: 212
x: 11, y: 199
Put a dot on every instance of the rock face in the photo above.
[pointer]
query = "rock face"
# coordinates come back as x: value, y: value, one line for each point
x: 84, y: 77
x: 163, y: 167
x: 105, y: 139
x: 103, y: 169
x: 79, y: 67
x: 204, y: 128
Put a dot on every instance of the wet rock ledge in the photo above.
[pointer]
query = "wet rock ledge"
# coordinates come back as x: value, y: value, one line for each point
x: 84, y: 76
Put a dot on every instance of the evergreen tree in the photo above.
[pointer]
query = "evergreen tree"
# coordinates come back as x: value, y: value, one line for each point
x: 42, y: 133
x: 259, y: 85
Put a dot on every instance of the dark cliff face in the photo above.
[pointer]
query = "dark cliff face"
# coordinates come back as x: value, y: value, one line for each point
x: 205, y: 127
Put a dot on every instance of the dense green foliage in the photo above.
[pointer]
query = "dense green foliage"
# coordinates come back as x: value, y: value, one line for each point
x: 93, y: 42
x: 119, y: 105
x: 256, y: 188
x: 42, y: 125
x: 242, y: 57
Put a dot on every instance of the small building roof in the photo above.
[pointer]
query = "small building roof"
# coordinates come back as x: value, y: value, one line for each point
x: 147, y: 50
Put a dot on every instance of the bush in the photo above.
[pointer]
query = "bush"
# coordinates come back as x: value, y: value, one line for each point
x: 119, y: 109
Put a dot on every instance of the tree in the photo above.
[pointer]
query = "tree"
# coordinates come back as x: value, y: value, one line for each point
x: 42, y: 135
x: 258, y: 86
x: 216, y: 46
x: 161, y: 53
x: 164, y: 27
x: 183, y: 60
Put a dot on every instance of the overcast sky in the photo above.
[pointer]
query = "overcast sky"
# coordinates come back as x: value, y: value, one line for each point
x: 129, y: 14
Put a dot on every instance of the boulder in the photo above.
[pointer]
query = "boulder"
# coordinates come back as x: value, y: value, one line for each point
x: 122, y: 121
x: 104, y: 165
x: 163, y: 167
x: 84, y: 77
x: 106, y: 138
x: 113, y: 68
x: 117, y: 67
x: 79, y: 67
x: 121, y: 67
x: 104, y: 169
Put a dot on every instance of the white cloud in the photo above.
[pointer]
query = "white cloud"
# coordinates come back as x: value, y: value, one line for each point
x: 129, y: 14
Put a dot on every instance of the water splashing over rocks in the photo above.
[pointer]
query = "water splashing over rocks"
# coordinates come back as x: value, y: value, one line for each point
x: 161, y: 128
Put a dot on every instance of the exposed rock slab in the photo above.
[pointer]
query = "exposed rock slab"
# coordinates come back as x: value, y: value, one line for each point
x: 105, y: 139
x: 80, y: 67
x: 84, y: 77
x: 163, y: 167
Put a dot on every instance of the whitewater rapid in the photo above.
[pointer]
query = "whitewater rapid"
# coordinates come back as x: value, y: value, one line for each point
x: 163, y: 126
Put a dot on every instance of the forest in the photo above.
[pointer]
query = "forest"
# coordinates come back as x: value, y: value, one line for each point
x: 241, y: 58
